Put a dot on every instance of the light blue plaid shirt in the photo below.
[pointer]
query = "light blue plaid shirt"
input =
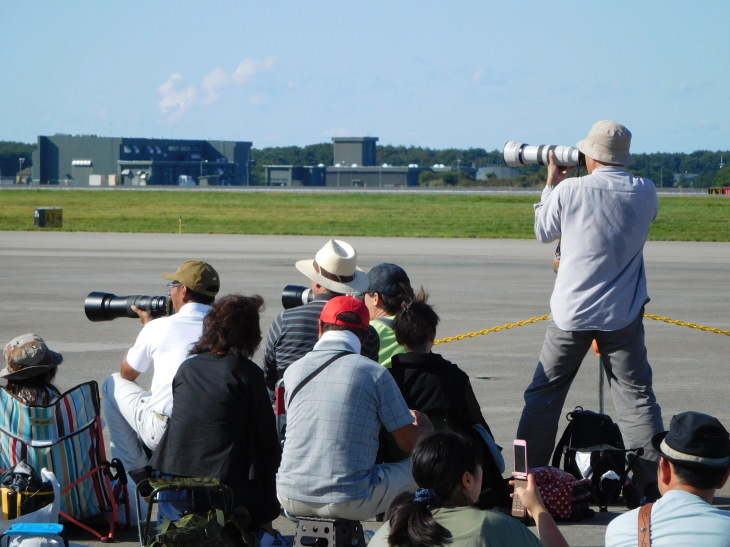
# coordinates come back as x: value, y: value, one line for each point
x: 333, y: 424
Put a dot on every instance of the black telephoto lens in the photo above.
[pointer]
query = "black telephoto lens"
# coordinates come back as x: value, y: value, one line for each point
x: 101, y: 306
x: 295, y: 295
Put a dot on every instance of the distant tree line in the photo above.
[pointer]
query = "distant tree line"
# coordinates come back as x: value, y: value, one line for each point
x: 700, y: 169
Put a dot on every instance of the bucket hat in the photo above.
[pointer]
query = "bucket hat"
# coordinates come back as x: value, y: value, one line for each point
x: 608, y: 142
x: 27, y: 356
x: 335, y: 268
x: 695, y: 439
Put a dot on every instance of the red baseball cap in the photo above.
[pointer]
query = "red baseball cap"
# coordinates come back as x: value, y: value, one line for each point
x: 340, y: 304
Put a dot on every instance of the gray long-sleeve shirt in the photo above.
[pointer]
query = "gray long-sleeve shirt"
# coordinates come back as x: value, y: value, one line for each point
x: 602, y: 220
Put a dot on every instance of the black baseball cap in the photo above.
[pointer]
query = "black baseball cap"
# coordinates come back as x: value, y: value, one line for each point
x: 387, y: 279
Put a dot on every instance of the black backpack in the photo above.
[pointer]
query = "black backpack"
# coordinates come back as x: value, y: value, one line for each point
x: 597, y: 434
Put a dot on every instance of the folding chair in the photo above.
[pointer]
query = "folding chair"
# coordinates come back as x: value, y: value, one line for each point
x: 176, y: 497
x: 66, y: 438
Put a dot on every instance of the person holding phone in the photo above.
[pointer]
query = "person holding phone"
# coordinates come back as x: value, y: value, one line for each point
x: 447, y: 470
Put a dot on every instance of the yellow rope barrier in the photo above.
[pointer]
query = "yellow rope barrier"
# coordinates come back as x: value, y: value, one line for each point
x: 689, y: 325
x: 544, y: 317
x: 493, y: 329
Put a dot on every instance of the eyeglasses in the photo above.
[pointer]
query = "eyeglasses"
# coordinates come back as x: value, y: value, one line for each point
x: 172, y: 284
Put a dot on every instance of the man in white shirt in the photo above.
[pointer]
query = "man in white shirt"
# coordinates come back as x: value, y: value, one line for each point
x: 695, y: 462
x: 137, y: 418
x: 602, y: 221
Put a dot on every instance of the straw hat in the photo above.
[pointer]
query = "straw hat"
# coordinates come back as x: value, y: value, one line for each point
x: 335, y: 268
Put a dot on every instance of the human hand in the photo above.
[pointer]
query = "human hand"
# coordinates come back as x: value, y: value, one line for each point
x: 421, y: 421
x: 144, y: 316
x: 556, y: 173
x: 530, y: 495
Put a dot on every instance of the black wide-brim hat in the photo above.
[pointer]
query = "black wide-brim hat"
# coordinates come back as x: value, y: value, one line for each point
x: 696, y: 440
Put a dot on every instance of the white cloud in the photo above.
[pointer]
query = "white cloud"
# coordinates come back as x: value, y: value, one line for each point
x: 178, y: 101
x: 216, y: 80
x: 212, y: 84
x: 172, y: 99
x: 248, y: 68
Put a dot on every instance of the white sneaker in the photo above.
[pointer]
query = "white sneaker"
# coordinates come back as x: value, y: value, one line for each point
x: 277, y: 540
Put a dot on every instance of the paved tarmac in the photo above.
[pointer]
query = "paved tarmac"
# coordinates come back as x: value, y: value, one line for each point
x: 474, y: 284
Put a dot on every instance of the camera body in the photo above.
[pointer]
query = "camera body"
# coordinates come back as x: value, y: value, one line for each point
x: 518, y: 153
x: 295, y: 295
x: 102, y: 306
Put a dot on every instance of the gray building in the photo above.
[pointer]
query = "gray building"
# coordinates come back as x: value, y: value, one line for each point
x: 355, y: 166
x: 87, y: 160
x: 355, y: 151
x: 290, y: 175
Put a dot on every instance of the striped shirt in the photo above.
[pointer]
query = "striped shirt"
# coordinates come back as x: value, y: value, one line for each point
x: 293, y: 334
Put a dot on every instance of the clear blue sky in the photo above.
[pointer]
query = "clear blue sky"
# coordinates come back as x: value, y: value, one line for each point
x: 460, y: 74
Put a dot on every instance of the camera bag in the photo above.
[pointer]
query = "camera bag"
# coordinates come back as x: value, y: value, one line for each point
x: 592, y: 447
x: 23, y: 491
x: 212, y: 528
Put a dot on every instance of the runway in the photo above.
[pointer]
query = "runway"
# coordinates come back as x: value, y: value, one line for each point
x: 474, y: 284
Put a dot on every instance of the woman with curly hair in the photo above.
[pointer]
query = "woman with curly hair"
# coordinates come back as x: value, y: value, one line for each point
x: 222, y: 423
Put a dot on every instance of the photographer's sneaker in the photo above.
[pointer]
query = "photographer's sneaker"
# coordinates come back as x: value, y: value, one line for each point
x: 277, y: 540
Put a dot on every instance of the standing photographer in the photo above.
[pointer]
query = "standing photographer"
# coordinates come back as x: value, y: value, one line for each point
x: 603, y: 221
x: 138, y: 418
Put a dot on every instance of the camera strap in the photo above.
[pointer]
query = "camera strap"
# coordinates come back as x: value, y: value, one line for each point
x: 645, y: 525
x: 313, y: 374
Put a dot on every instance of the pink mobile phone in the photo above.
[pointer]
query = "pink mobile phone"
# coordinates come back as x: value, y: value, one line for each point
x: 519, y: 448
x: 520, y: 459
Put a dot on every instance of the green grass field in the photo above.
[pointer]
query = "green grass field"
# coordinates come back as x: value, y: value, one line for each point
x: 354, y: 214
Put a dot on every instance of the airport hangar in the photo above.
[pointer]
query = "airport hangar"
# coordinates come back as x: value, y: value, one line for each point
x: 88, y: 160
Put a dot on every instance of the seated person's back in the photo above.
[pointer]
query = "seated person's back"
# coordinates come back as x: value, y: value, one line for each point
x: 337, y: 401
x: 222, y: 425
x: 440, y: 389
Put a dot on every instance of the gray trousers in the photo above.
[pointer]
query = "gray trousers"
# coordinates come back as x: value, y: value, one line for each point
x: 629, y: 377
